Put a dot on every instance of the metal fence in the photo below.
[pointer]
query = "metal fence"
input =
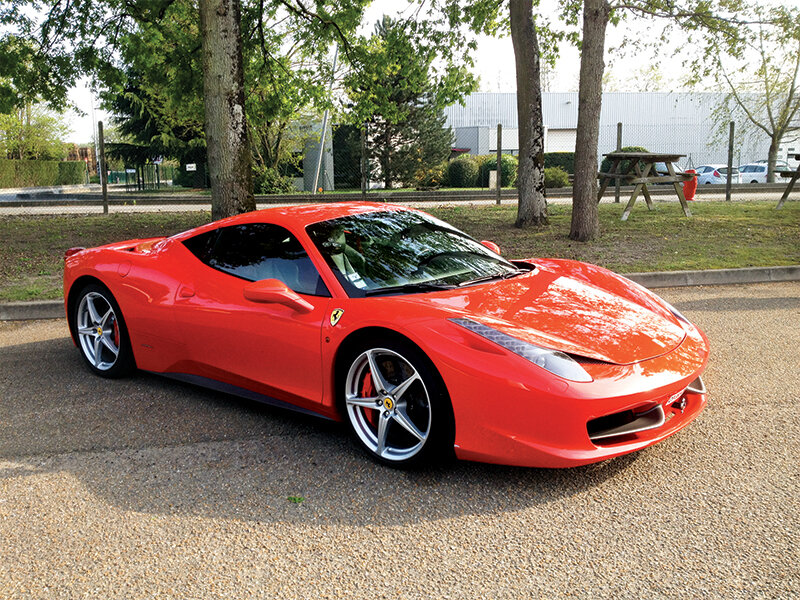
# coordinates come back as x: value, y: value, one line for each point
x: 350, y: 169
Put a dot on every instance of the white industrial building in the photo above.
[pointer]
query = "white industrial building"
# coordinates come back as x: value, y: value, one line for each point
x: 678, y: 122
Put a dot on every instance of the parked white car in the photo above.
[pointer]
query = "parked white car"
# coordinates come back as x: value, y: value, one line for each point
x: 757, y: 172
x: 716, y: 174
x: 753, y: 173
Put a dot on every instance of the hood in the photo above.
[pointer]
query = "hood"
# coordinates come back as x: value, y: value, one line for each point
x: 562, y: 313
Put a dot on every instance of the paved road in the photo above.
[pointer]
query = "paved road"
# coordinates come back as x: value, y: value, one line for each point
x: 150, y: 488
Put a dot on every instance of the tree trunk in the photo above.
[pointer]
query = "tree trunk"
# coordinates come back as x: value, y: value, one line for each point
x: 772, y: 157
x: 532, y: 206
x: 585, y: 221
x: 229, y: 161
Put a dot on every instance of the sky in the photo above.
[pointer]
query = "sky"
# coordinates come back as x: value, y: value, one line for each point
x: 494, y: 62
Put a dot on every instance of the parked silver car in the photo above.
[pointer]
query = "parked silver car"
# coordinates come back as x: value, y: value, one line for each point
x: 716, y: 174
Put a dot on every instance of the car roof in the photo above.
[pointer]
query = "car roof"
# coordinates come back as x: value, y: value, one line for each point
x: 297, y: 216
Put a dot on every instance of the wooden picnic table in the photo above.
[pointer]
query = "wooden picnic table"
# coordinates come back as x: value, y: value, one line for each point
x: 794, y: 176
x: 641, y: 172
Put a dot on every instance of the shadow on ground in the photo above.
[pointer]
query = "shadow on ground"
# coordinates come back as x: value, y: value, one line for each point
x: 158, y: 446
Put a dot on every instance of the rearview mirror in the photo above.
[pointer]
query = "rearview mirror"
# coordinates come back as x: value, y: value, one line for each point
x: 491, y: 246
x: 273, y: 291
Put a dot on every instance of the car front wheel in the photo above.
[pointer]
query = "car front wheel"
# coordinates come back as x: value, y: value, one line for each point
x: 101, y: 333
x: 397, y: 406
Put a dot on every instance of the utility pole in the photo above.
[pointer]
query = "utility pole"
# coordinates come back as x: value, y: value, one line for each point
x: 102, y: 166
x: 499, y: 161
x: 619, y: 149
x: 729, y: 178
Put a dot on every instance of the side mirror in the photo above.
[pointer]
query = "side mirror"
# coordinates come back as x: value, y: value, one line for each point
x: 491, y: 246
x: 273, y: 291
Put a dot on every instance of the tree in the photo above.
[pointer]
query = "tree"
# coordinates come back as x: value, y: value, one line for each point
x: 395, y: 89
x: 532, y: 208
x: 96, y: 38
x: 762, y: 82
x: 31, y: 131
x: 444, y: 23
x: 688, y: 15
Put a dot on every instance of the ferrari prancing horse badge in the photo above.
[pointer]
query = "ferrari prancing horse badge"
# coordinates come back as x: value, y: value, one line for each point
x: 336, y: 314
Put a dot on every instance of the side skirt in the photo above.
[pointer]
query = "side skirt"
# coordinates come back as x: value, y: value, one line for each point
x: 227, y: 388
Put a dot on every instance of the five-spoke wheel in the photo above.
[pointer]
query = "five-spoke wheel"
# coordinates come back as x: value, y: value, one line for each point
x: 100, y: 332
x: 396, y: 405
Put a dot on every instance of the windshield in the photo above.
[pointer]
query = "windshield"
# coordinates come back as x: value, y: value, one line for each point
x: 403, y: 252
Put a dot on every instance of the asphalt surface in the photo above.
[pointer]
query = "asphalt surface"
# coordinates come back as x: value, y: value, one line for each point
x: 149, y: 488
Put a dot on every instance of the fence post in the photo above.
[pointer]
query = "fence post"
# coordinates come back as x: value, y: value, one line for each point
x: 364, y: 161
x: 499, y: 161
x: 619, y: 149
x: 729, y: 178
x: 103, y: 175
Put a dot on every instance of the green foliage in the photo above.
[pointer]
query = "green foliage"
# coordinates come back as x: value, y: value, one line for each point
x: 40, y: 173
x: 8, y: 173
x: 71, y: 172
x: 565, y: 160
x: 508, y: 169
x: 267, y: 180
x: 605, y: 166
x: 555, y: 177
x: 462, y: 172
x: 398, y: 88
x: 32, y: 132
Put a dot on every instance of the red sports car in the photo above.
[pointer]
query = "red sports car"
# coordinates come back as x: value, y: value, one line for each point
x: 425, y: 341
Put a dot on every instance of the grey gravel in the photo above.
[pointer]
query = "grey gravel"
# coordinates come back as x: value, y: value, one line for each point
x: 150, y: 488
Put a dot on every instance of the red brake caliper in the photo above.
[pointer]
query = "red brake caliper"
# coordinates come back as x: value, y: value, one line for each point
x: 368, y: 391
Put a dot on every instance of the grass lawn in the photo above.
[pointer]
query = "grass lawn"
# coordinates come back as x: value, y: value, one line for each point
x: 719, y: 235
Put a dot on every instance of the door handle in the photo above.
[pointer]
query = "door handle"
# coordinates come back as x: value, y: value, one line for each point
x: 186, y: 292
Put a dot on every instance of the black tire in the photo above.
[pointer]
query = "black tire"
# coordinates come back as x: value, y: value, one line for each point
x: 99, y: 328
x: 416, y: 400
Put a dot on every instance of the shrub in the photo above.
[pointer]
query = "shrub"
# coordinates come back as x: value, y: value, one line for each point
x: 605, y: 166
x: 565, y: 160
x: 555, y: 177
x: 508, y: 170
x: 432, y: 177
x: 267, y: 180
x: 462, y: 172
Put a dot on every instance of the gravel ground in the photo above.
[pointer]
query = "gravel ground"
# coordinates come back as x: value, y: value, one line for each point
x: 150, y: 488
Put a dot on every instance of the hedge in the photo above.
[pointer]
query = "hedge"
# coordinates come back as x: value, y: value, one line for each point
x: 40, y: 173
x: 565, y: 160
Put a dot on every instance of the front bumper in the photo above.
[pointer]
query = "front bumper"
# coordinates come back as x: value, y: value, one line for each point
x: 510, y: 412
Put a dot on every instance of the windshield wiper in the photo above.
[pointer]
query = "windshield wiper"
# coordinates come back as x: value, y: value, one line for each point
x: 421, y: 286
x: 486, y: 278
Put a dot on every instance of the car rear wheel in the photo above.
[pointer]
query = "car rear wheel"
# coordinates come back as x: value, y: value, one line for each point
x: 100, y: 333
x: 397, y: 405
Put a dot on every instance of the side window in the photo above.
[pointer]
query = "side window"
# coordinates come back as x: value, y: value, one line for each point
x: 259, y: 251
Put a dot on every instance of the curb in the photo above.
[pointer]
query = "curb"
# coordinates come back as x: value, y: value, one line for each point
x: 24, y: 311
x: 716, y: 276
x: 54, y: 309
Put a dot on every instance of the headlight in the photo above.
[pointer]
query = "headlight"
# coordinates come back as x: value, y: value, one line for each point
x: 554, y: 361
